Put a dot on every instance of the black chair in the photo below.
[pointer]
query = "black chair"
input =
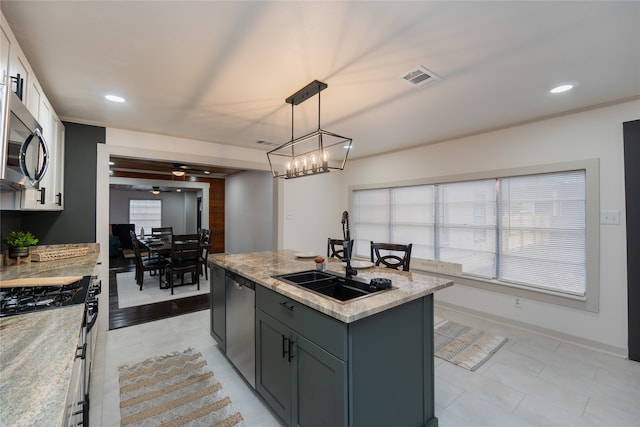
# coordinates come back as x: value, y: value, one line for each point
x: 162, y: 232
x: 335, y: 248
x: 205, y: 244
x: 185, y: 258
x: 391, y: 260
x: 143, y: 265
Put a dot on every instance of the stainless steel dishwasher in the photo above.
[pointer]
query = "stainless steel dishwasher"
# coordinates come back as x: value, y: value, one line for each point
x: 240, y: 317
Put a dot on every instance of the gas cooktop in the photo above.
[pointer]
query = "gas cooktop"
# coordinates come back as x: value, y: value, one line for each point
x: 21, y: 300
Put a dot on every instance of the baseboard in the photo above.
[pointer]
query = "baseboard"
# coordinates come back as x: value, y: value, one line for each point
x: 568, y: 338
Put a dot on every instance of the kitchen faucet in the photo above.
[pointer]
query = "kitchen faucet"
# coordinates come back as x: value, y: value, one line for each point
x: 350, y: 272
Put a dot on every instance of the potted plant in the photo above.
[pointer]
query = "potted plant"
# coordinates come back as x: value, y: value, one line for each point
x: 19, y: 242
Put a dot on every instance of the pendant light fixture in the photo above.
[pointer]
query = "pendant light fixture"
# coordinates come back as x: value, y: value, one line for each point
x: 314, y: 153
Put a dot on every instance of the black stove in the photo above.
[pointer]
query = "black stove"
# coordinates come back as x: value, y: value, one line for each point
x: 28, y: 299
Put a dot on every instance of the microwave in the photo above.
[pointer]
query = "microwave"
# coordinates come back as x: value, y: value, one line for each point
x: 24, y: 155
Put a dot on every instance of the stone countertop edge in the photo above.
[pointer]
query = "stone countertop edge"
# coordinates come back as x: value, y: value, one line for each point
x: 36, y: 361
x: 261, y: 266
x: 49, y: 270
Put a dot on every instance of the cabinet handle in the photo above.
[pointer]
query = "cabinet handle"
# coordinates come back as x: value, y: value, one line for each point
x: 287, y: 305
x: 42, y: 195
x: 285, y: 346
x: 290, y: 350
x: 59, y: 197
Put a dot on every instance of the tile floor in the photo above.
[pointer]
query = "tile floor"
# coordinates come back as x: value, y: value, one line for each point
x: 532, y: 380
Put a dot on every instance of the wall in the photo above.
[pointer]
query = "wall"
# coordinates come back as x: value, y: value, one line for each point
x: 591, y: 134
x: 178, y: 209
x: 249, y: 212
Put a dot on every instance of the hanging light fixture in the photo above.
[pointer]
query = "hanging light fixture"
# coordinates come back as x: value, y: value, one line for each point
x: 317, y: 152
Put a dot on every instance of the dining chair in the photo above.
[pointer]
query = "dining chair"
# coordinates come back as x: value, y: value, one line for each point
x: 335, y: 248
x: 162, y: 232
x: 142, y: 265
x: 185, y: 258
x: 205, y: 244
x: 395, y: 256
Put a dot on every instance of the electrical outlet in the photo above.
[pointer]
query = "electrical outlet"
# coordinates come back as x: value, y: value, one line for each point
x: 517, y: 302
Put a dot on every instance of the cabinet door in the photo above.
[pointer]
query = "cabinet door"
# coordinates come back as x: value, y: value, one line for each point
x: 321, y: 383
x: 273, y: 367
x: 58, y: 192
x: 218, y: 306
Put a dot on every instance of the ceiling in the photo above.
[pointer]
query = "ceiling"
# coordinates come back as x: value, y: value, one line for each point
x: 219, y: 71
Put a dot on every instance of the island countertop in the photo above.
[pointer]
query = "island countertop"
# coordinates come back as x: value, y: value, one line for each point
x: 261, y: 266
x: 57, y: 272
x: 37, y: 353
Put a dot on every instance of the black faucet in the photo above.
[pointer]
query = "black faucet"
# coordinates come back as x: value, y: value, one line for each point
x: 346, y: 245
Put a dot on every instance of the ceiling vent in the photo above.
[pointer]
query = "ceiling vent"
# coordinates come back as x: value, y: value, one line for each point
x: 421, y: 77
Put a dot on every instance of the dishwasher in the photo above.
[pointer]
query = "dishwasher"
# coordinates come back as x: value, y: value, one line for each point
x: 240, y: 318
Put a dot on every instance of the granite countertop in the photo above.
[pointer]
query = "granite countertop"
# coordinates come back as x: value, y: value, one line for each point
x: 37, y: 353
x: 261, y: 266
x: 56, y: 272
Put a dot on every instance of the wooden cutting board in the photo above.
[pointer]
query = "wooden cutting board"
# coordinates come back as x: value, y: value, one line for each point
x: 40, y: 281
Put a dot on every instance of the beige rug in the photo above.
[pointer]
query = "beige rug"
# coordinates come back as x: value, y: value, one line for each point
x: 130, y: 295
x: 174, y: 390
x: 464, y: 346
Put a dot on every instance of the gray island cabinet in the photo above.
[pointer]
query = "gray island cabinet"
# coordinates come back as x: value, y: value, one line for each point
x: 319, y: 362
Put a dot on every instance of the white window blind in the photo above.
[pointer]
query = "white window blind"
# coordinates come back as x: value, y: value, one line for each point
x: 145, y: 214
x: 543, y: 231
x: 467, y: 226
x: 525, y: 230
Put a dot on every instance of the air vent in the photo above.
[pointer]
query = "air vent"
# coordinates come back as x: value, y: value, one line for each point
x: 263, y: 142
x: 421, y: 77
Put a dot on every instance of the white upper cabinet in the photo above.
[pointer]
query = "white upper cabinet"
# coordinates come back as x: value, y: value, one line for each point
x: 23, y: 81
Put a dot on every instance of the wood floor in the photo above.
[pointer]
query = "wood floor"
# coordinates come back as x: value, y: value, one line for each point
x: 129, y: 316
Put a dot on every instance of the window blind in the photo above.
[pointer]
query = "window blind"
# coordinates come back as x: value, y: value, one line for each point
x: 145, y: 214
x: 525, y: 230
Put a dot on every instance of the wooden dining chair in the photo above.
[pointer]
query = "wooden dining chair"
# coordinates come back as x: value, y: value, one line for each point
x: 185, y: 259
x: 162, y: 232
x: 143, y: 264
x: 205, y: 244
x: 395, y: 256
x: 335, y: 248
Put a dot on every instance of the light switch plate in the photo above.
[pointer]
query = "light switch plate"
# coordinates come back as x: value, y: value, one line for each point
x: 610, y: 217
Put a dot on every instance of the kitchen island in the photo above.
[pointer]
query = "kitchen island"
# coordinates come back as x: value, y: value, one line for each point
x: 322, y: 362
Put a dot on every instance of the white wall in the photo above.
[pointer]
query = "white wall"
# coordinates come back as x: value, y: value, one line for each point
x: 178, y: 209
x: 250, y: 223
x: 586, y: 135
x: 309, y: 208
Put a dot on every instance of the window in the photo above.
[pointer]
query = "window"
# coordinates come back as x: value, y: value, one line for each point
x: 525, y: 231
x: 145, y: 214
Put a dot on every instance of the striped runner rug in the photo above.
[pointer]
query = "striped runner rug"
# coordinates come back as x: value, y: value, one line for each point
x: 461, y: 345
x: 174, y: 390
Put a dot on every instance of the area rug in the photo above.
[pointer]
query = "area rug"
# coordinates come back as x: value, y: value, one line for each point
x: 174, y: 390
x: 461, y: 345
x: 130, y: 295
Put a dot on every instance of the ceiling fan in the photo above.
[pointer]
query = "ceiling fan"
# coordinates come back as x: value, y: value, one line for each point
x: 181, y: 170
x: 157, y: 190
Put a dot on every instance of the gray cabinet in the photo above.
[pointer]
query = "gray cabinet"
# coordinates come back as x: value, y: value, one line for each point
x: 304, y: 384
x: 218, y: 306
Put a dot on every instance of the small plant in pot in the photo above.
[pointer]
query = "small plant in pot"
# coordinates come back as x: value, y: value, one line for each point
x: 19, y: 242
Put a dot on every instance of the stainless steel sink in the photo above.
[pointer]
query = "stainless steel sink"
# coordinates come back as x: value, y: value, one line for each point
x: 330, y: 285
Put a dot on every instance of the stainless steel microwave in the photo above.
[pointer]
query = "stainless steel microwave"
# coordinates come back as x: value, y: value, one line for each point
x: 24, y: 155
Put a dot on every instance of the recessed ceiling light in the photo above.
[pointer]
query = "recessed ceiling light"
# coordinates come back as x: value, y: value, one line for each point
x: 114, y: 98
x: 561, y: 88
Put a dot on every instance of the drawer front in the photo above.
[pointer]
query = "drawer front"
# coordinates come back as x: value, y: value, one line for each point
x: 326, y: 332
